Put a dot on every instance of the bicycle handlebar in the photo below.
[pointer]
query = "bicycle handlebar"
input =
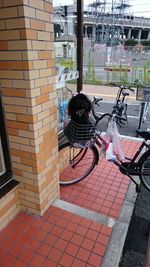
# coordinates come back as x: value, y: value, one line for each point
x: 122, y: 87
x: 96, y: 100
x: 109, y: 115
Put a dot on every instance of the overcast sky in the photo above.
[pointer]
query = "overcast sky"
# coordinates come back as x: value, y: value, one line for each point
x: 138, y: 7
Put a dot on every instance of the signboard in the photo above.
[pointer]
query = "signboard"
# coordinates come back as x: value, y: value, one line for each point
x: 147, y: 94
x: 143, y: 94
x: 57, y: 3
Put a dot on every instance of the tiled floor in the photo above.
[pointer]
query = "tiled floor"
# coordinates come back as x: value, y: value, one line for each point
x: 61, y: 238
x: 104, y: 190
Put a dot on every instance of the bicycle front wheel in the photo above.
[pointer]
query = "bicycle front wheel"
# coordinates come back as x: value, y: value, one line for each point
x: 144, y: 169
x: 75, y: 163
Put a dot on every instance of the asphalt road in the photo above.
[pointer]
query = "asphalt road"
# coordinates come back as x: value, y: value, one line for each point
x: 128, y: 128
x: 135, y: 247
x: 108, y: 93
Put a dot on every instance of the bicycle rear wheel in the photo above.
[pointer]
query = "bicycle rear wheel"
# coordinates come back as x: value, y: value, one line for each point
x: 144, y: 169
x: 76, y: 163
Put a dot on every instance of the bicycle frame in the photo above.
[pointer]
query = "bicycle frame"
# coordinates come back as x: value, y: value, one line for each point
x: 129, y: 167
x: 118, y: 98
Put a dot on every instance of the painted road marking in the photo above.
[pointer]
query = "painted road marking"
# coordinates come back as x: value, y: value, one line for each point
x: 131, y: 117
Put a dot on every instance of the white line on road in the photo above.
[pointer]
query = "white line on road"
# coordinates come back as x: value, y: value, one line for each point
x: 131, y: 117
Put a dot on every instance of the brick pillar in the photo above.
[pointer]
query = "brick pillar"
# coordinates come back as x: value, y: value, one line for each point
x: 27, y: 76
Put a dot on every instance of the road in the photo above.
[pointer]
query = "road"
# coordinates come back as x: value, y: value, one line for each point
x: 109, y: 95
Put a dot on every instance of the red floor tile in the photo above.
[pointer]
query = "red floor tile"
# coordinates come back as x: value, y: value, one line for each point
x: 81, y: 241
x: 60, y: 238
x: 83, y: 254
x: 37, y: 260
x: 105, y: 183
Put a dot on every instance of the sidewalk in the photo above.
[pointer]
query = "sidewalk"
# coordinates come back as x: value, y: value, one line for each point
x: 108, y: 93
x: 85, y: 228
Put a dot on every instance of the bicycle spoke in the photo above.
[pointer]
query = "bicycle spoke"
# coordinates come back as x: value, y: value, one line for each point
x: 145, y: 172
x: 78, y: 164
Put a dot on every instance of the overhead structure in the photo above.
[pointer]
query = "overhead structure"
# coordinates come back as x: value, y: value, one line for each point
x: 106, y: 14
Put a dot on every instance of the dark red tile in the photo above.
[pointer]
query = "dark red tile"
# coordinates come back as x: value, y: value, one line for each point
x: 37, y: 260
x: 44, y: 249
x: 49, y: 263
x: 91, y: 234
x: 26, y: 255
x: 78, y: 263
x: 19, y: 263
x: 81, y: 230
x: 67, y: 215
x: 51, y: 239
x: 62, y: 222
x: 66, y: 260
x: 57, y: 230
x: 88, y: 244
x: 95, y: 260
x: 34, y: 244
x: 106, y: 230
x: 66, y: 235
x: 61, y: 244
x: 99, y: 249
x: 72, y: 226
x: 83, y: 254
x: 47, y: 227
x: 103, y: 239
x: 77, y: 239
x: 72, y: 249
x: 76, y: 219
x: 55, y: 255
x: 8, y: 261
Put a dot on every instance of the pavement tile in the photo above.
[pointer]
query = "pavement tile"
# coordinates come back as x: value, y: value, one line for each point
x: 62, y: 238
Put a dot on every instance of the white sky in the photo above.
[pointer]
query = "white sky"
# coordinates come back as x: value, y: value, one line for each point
x: 138, y: 8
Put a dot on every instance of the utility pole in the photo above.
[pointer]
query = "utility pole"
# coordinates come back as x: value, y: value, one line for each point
x: 80, y: 44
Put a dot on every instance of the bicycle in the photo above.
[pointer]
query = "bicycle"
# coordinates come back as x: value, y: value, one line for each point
x: 143, y: 95
x: 120, y: 106
x: 81, y: 158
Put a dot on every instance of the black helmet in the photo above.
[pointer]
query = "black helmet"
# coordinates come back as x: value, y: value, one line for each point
x: 79, y: 105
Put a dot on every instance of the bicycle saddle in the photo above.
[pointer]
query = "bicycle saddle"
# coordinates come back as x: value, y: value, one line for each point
x: 125, y: 93
x: 144, y: 133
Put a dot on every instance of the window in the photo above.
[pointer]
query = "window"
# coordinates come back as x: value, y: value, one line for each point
x: 5, y: 166
x: 65, y: 54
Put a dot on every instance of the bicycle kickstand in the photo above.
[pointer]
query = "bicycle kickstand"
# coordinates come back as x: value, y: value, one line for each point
x: 138, y: 186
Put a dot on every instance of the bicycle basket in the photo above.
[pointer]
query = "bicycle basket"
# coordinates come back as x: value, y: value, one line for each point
x: 80, y: 135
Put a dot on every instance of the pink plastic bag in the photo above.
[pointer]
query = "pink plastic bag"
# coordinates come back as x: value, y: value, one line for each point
x: 112, y: 142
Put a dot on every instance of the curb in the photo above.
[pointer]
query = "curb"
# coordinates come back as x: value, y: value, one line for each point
x: 115, y: 247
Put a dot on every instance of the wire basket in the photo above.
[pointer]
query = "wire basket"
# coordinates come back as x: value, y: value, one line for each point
x: 80, y: 135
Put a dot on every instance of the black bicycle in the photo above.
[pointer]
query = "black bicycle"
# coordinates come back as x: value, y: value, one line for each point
x: 143, y: 95
x: 120, y: 106
x: 78, y: 159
